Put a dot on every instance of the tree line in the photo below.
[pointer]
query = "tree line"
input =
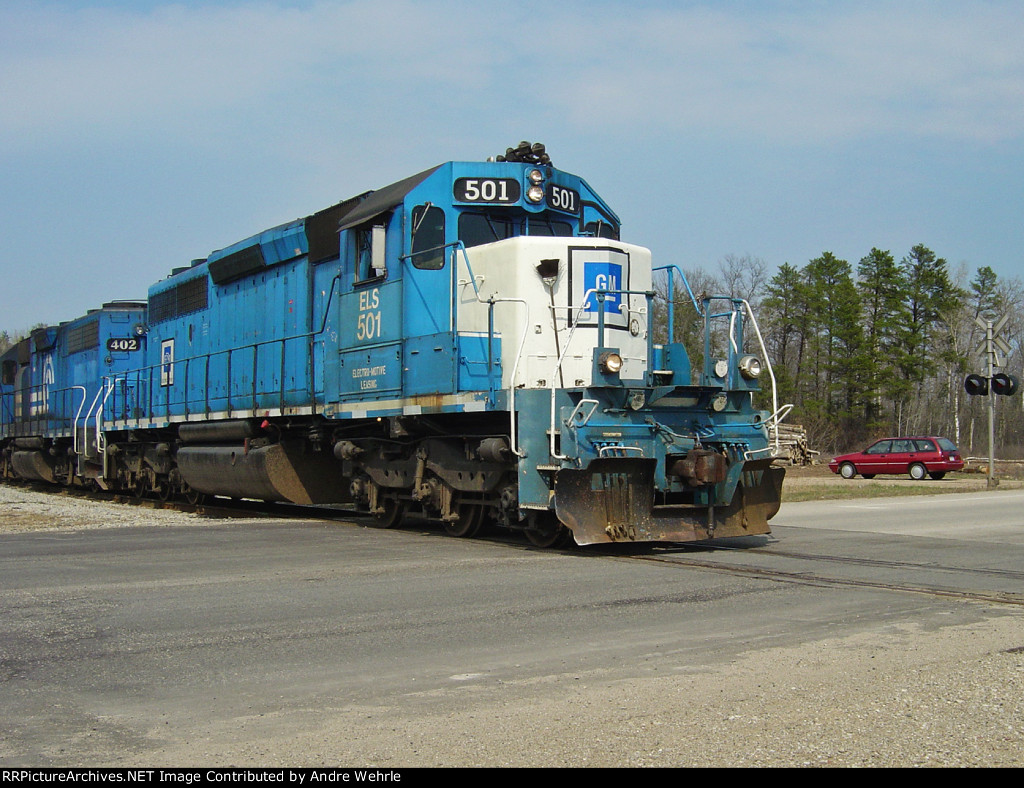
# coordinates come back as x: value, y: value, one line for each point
x: 879, y: 348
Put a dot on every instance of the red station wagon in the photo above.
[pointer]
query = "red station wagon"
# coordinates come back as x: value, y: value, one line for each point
x: 917, y: 456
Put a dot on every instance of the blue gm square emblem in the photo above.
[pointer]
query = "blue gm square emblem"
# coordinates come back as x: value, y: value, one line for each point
x: 603, y: 276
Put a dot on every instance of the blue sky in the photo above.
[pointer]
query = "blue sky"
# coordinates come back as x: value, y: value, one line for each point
x: 135, y: 136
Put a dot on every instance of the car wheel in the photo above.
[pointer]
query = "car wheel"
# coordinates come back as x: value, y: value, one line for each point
x: 847, y: 471
x: 937, y: 475
x: 917, y: 471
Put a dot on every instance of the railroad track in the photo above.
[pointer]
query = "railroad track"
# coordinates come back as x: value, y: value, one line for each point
x: 762, y: 568
x: 771, y: 564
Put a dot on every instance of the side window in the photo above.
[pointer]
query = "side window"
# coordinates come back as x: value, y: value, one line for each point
x: 923, y: 445
x: 882, y: 447
x: 428, y: 237
x: 370, y: 252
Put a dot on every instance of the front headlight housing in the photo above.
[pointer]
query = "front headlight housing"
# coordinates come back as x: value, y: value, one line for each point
x: 750, y: 367
x: 610, y: 362
x: 535, y: 194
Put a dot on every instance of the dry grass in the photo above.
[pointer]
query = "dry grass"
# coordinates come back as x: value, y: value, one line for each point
x: 818, y: 483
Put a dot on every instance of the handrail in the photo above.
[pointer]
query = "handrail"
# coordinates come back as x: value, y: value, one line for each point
x: 491, y: 301
x: 670, y: 299
x: 101, y: 440
x: 778, y: 414
x: 74, y: 425
x: 88, y: 414
x: 151, y: 371
x: 585, y: 301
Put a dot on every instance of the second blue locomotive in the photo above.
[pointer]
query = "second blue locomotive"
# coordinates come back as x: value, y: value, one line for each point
x: 473, y: 342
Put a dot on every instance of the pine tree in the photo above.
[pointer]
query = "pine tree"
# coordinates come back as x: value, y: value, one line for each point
x: 882, y: 291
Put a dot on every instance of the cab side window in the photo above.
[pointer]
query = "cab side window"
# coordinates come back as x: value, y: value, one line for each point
x: 427, y: 237
x: 370, y: 252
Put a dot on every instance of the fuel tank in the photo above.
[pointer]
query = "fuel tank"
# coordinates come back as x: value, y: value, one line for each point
x: 269, y: 473
x: 35, y: 465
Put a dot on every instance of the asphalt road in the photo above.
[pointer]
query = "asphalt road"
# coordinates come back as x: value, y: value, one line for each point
x: 302, y: 642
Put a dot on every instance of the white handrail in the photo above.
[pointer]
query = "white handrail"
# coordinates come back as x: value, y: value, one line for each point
x: 513, y: 434
x: 78, y: 413
x: 778, y: 414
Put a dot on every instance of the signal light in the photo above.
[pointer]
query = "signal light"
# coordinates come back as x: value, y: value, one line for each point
x: 976, y: 385
x: 1005, y: 384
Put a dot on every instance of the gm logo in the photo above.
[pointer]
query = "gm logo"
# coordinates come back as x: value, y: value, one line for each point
x: 603, y: 276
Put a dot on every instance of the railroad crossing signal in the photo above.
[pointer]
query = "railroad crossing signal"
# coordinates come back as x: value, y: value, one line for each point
x: 978, y: 385
x: 993, y: 349
x: 994, y: 383
x: 993, y: 344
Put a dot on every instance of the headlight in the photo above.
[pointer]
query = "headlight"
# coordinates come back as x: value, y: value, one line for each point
x: 750, y: 367
x: 718, y: 402
x: 535, y: 194
x: 610, y: 362
x: 536, y: 177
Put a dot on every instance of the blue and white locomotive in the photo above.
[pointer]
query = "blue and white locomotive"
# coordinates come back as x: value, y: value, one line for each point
x: 473, y: 343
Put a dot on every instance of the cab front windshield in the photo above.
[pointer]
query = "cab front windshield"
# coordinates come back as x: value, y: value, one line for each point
x: 476, y: 229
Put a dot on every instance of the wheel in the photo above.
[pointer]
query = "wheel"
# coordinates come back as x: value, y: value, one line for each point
x: 546, y: 531
x: 470, y: 518
x: 164, y: 491
x: 937, y: 475
x: 847, y: 470
x: 194, y: 497
x: 393, y: 512
x: 868, y: 475
x: 917, y: 472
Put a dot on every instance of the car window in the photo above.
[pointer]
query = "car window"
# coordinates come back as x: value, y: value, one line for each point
x: 924, y: 445
x: 882, y: 447
x: 946, y: 444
